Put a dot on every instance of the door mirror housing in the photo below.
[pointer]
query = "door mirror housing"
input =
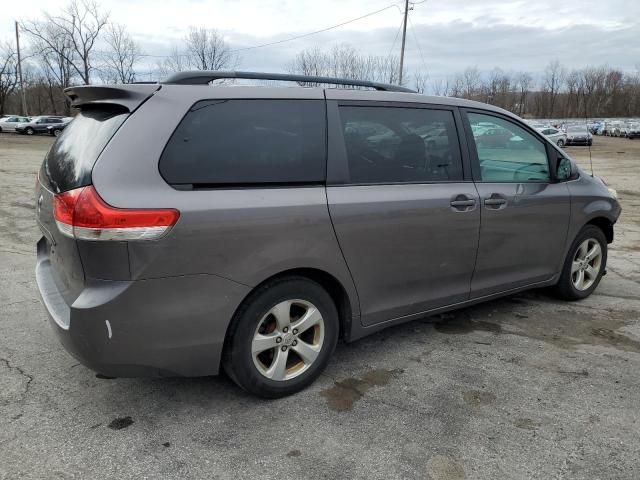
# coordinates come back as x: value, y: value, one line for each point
x: 564, y: 169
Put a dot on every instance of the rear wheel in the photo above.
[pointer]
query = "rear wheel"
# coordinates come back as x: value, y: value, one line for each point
x: 281, y: 338
x: 57, y: 132
x: 560, y: 143
x: 585, y: 264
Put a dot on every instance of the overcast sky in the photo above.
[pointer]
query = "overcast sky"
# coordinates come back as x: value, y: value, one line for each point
x: 443, y: 36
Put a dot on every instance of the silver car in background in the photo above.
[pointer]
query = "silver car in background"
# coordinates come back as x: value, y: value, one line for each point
x: 579, y: 135
x: 555, y: 135
x: 8, y: 123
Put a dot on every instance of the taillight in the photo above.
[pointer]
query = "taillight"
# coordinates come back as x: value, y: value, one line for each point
x: 82, y: 214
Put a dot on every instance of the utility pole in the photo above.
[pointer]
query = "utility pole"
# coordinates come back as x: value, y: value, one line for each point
x: 24, y: 100
x: 404, y: 37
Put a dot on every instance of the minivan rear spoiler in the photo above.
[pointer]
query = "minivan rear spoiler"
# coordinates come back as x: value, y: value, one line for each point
x: 129, y: 96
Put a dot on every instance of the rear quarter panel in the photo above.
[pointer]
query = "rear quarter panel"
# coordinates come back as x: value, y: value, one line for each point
x: 246, y: 235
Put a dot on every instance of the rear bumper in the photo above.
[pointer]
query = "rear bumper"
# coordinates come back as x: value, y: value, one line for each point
x: 171, y: 326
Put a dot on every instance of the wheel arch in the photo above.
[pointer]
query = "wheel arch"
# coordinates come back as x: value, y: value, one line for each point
x: 330, y: 283
x: 604, y: 224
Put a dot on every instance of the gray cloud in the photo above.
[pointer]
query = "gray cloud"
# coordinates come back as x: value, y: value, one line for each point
x: 447, y: 48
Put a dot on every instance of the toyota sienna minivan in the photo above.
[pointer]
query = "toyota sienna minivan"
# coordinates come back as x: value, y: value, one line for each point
x: 188, y: 227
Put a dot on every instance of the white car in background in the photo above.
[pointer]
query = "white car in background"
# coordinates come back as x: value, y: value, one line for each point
x: 8, y: 123
x: 556, y: 136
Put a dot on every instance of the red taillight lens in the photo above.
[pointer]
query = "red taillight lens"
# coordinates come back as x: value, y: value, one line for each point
x: 82, y: 214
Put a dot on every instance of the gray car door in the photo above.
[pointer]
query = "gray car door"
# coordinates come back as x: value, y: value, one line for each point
x: 405, y: 218
x: 524, y: 213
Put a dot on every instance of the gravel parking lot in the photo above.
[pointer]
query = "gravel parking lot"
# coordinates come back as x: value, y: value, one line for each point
x: 523, y: 387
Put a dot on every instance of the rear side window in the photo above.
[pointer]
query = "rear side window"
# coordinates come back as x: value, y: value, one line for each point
x: 248, y: 142
x: 69, y: 163
x: 400, y: 145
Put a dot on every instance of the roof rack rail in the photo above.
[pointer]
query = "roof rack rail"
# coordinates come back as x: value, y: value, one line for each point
x: 202, y: 77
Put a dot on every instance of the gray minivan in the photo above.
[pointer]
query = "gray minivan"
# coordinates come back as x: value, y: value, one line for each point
x: 188, y: 226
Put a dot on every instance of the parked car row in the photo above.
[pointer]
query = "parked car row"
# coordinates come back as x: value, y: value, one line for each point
x: 50, y: 124
x: 615, y: 128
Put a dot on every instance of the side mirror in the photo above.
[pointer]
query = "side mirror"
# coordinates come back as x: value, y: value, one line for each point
x: 563, y: 172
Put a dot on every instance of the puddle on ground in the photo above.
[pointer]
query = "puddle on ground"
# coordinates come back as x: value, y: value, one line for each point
x: 477, y: 398
x: 120, y: 423
x: 294, y: 453
x: 563, y: 327
x: 344, y: 393
x: 442, y: 467
x: 461, y: 325
x: 526, y: 424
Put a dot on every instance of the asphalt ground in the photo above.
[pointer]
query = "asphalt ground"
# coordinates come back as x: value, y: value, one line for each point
x: 523, y: 387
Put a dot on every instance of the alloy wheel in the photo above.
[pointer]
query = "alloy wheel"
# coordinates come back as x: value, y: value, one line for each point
x: 288, y: 339
x: 586, y: 264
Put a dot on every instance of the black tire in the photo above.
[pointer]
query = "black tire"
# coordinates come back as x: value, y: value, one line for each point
x: 238, y: 361
x: 560, y: 143
x: 565, y: 287
x: 29, y: 131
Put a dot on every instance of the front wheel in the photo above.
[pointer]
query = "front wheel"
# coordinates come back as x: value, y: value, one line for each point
x: 30, y: 131
x: 281, y: 338
x: 584, y: 266
x: 560, y: 143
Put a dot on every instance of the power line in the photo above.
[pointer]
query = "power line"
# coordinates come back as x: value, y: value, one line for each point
x: 297, y: 37
x: 395, y: 38
x: 290, y: 39
x: 415, y: 37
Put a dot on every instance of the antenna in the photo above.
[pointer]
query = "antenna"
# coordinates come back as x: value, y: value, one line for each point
x: 586, y: 124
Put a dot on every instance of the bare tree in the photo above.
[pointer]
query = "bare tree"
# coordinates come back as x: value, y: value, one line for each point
x: 344, y: 61
x: 81, y: 22
x: 8, y: 72
x: 553, y: 79
x: 523, y: 83
x: 420, y: 82
x: 471, y: 82
x: 202, y: 49
x: 176, y: 61
x: 440, y: 87
x: 457, y: 85
x: 55, y: 72
x: 206, y: 49
x: 121, y: 57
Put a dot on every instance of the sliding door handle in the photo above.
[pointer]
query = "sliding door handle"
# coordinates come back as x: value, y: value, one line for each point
x: 463, y: 203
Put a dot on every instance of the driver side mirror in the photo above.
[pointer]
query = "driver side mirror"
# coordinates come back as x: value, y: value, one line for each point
x: 563, y: 170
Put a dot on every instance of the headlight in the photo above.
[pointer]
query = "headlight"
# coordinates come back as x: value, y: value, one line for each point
x: 613, y: 192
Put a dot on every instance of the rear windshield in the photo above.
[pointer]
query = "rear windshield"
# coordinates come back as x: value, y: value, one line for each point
x: 69, y: 163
